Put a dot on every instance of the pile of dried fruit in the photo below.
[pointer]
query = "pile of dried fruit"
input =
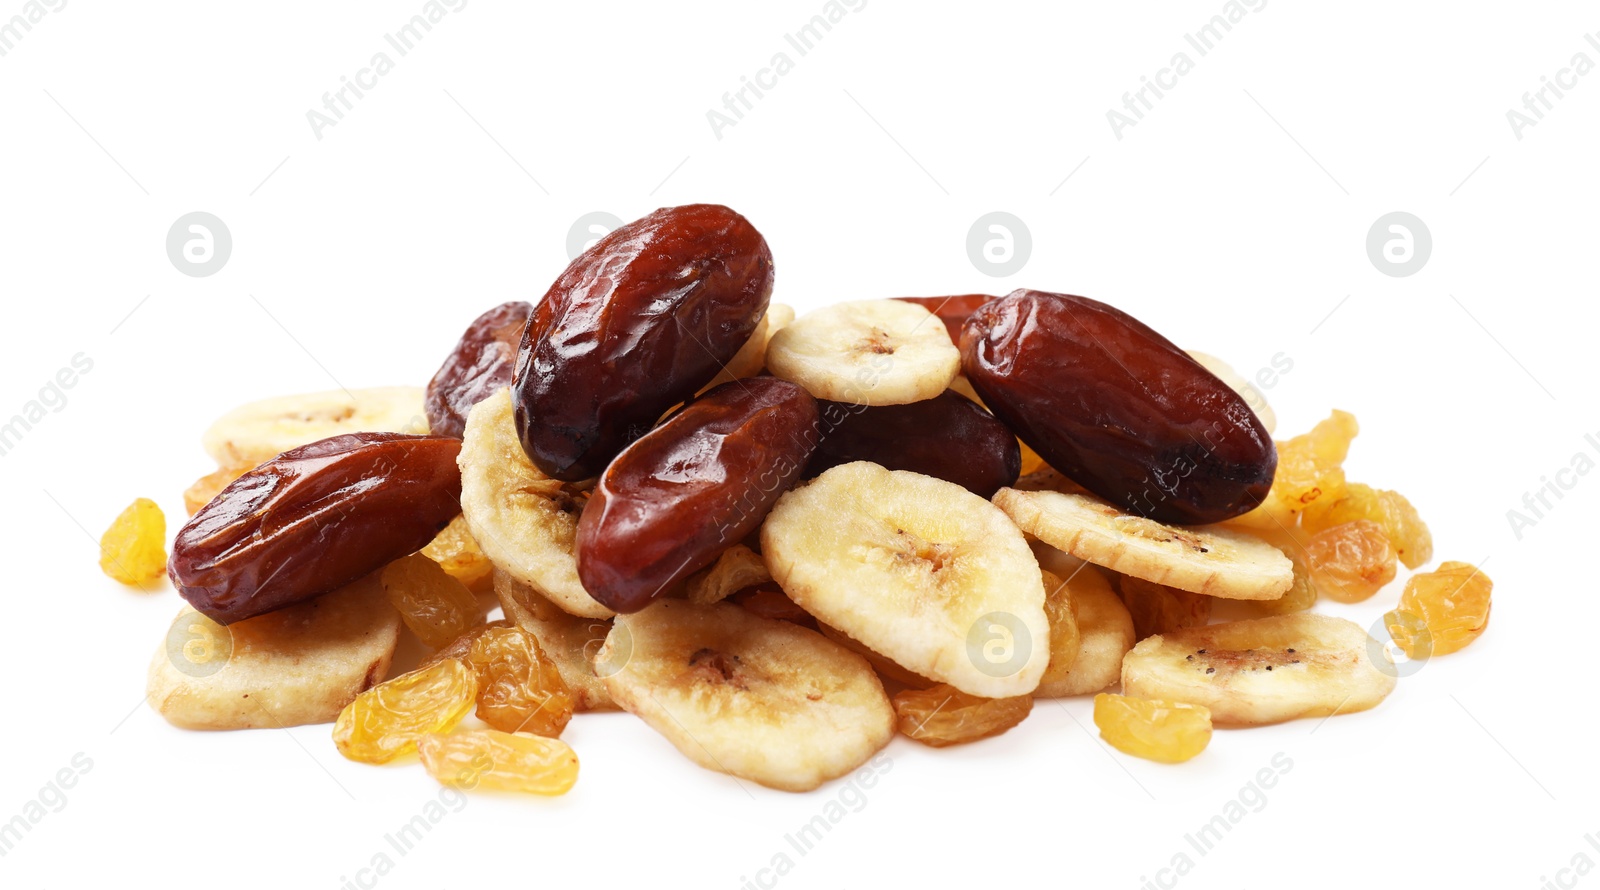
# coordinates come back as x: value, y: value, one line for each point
x: 778, y: 540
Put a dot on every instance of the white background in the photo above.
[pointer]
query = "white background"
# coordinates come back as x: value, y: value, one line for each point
x: 1232, y: 218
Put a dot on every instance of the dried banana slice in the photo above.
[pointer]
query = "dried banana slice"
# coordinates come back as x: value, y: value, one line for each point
x: 917, y: 569
x: 524, y: 521
x: 570, y: 641
x: 1265, y: 670
x: 756, y: 698
x: 870, y: 352
x: 1208, y: 560
x: 298, y: 665
x: 260, y: 431
x: 1105, y: 634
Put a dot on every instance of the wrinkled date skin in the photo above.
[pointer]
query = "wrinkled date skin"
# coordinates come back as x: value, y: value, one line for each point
x: 695, y: 486
x: 953, y: 311
x: 314, y: 519
x: 947, y: 437
x: 476, y: 369
x: 1117, y: 407
x: 638, y: 323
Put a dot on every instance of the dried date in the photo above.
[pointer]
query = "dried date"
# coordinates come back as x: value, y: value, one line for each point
x: 314, y: 519
x: 692, y: 488
x: 953, y: 311
x: 636, y: 324
x: 1117, y: 407
x: 476, y: 369
x: 947, y: 437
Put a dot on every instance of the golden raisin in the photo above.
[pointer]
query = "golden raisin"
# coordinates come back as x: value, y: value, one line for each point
x: 1158, y: 609
x: 500, y: 761
x: 385, y: 721
x: 519, y: 687
x: 1351, y: 561
x: 461, y: 646
x: 1310, y: 468
x: 1412, y: 541
x: 436, y: 607
x: 458, y: 553
x: 207, y: 487
x: 1302, y: 593
x: 1166, y: 732
x: 133, y: 550
x: 944, y: 715
x: 1452, y: 603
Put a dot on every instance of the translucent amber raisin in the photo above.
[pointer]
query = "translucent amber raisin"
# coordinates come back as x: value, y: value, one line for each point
x: 457, y: 552
x: 1453, y: 605
x: 1412, y: 541
x: 1351, y: 561
x: 500, y: 761
x: 944, y: 715
x: 207, y: 487
x: 1158, y: 609
x: 461, y: 646
x: 385, y: 721
x: 436, y: 607
x: 519, y: 687
x: 133, y: 550
x: 1310, y: 468
x: 1166, y: 732
x: 1302, y: 594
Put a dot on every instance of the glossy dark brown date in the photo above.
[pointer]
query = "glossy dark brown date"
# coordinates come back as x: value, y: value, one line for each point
x: 476, y: 369
x: 953, y: 311
x: 695, y: 486
x: 638, y: 323
x: 314, y: 519
x: 1117, y: 407
x: 947, y: 437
